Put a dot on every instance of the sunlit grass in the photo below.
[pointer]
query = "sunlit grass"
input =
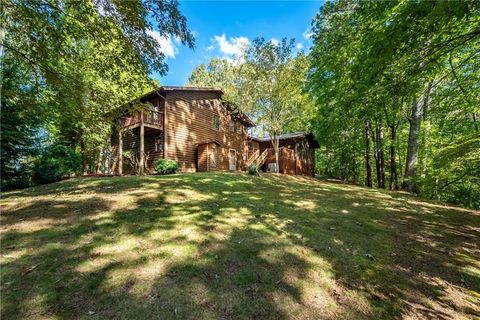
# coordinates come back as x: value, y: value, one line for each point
x: 234, y: 246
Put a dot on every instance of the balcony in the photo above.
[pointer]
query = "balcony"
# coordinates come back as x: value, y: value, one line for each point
x: 153, y: 119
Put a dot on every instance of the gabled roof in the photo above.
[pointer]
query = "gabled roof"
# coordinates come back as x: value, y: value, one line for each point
x: 178, y: 88
x: 239, y: 114
x: 292, y: 135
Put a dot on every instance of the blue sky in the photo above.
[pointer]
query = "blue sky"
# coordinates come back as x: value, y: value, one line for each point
x: 222, y: 27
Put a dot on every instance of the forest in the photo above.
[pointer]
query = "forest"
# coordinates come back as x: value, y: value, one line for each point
x: 391, y: 90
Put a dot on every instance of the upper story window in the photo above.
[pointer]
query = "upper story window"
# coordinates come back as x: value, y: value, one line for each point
x: 216, y: 122
x: 239, y: 127
x: 231, y: 126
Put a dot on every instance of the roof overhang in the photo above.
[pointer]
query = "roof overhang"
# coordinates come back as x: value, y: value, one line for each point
x: 296, y: 135
x: 163, y: 89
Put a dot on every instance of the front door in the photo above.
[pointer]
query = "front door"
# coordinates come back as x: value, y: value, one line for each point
x: 232, y: 160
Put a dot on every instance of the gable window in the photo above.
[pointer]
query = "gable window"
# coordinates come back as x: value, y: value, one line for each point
x: 158, y: 144
x: 216, y: 122
x: 231, y: 126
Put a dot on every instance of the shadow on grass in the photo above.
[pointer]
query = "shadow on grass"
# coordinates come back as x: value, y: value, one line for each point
x: 233, y: 246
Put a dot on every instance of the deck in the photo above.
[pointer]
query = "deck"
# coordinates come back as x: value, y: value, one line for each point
x: 152, y: 119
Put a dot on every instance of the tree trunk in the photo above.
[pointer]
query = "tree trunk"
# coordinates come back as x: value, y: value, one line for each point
x: 393, y: 163
x: 141, y: 169
x: 354, y: 164
x: 413, y: 141
x: 327, y: 161
x: 367, y: 155
x: 425, y: 137
x: 382, y: 155
x: 275, y: 142
x: 83, y: 151
x: 379, y: 156
x: 99, y: 161
x: 412, y: 148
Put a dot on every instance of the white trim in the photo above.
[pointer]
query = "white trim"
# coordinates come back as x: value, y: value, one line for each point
x: 229, y: 165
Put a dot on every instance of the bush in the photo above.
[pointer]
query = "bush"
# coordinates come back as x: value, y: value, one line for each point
x: 56, y: 162
x: 19, y: 178
x: 252, y: 169
x: 164, y: 166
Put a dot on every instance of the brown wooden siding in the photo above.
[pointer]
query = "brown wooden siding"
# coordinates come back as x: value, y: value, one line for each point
x: 190, y: 122
x: 299, y: 161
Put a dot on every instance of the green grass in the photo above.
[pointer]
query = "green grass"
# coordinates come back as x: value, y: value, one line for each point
x: 231, y: 246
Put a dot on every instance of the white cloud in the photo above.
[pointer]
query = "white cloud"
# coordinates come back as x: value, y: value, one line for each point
x: 177, y: 40
x: 299, y: 46
x: 233, y: 46
x: 307, y: 34
x: 210, y: 48
x: 167, y: 46
x: 274, y: 41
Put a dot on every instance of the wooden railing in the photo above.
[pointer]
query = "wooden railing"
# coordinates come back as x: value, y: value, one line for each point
x: 252, y: 157
x: 261, y: 159
x: 147, y: 117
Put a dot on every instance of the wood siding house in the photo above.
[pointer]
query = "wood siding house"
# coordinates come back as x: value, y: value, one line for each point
x: 194, y: 127
x: 296, y: 153
x: 179, y: 121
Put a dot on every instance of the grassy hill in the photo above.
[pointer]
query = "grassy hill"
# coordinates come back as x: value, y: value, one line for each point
x: 234, y: 246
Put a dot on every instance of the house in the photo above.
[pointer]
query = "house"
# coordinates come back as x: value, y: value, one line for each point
x: 296, y: 154
x: 194, y: 127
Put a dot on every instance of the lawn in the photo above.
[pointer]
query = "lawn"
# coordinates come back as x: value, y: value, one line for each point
x: 231, y: 246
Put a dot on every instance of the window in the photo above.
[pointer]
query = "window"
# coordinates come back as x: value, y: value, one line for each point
x: 239, y: 127
x: 231, y: 126
x: 158, y: 144
x: 216, y: 122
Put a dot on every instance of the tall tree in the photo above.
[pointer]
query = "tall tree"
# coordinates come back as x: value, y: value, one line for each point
x: 92, y: 55
x: 274, y: 80
x: 370, y: 61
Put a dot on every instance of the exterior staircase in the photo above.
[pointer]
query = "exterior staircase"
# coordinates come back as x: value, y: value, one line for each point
x: 253, y: 157
x: 261, y: 158
x: 257, y: 159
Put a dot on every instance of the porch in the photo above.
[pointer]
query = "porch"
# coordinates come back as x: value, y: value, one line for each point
x: 148, y: 123
x: 289, y: 162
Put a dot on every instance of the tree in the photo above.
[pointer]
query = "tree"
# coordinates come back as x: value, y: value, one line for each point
x: 273, y: 86
x: 92, y: 56
x: 23, y: 111
x: 406, y: 68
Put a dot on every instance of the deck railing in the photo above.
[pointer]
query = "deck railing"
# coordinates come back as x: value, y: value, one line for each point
x: 147, y: 117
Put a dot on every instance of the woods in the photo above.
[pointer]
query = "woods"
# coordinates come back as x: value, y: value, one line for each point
x: 399, y: 78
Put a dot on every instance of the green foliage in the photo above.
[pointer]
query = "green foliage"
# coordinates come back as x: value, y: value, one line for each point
x: 22, y: 111
x: 252, y: 169
x: 56, y: 162
x: 372, y: 62
x: 89, y: 58
x: 164, y: 166
x: 218, y: 73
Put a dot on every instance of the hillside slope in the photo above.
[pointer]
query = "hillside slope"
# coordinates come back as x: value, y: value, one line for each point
x: 234, y: 246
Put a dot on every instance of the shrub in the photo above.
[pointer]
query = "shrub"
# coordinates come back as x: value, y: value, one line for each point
x: 164, y: 166
x: 252, y: 169
x: 56, y: 162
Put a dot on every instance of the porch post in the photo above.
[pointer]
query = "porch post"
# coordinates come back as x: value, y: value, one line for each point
x: 120, y: 153
x: 142, y: 148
